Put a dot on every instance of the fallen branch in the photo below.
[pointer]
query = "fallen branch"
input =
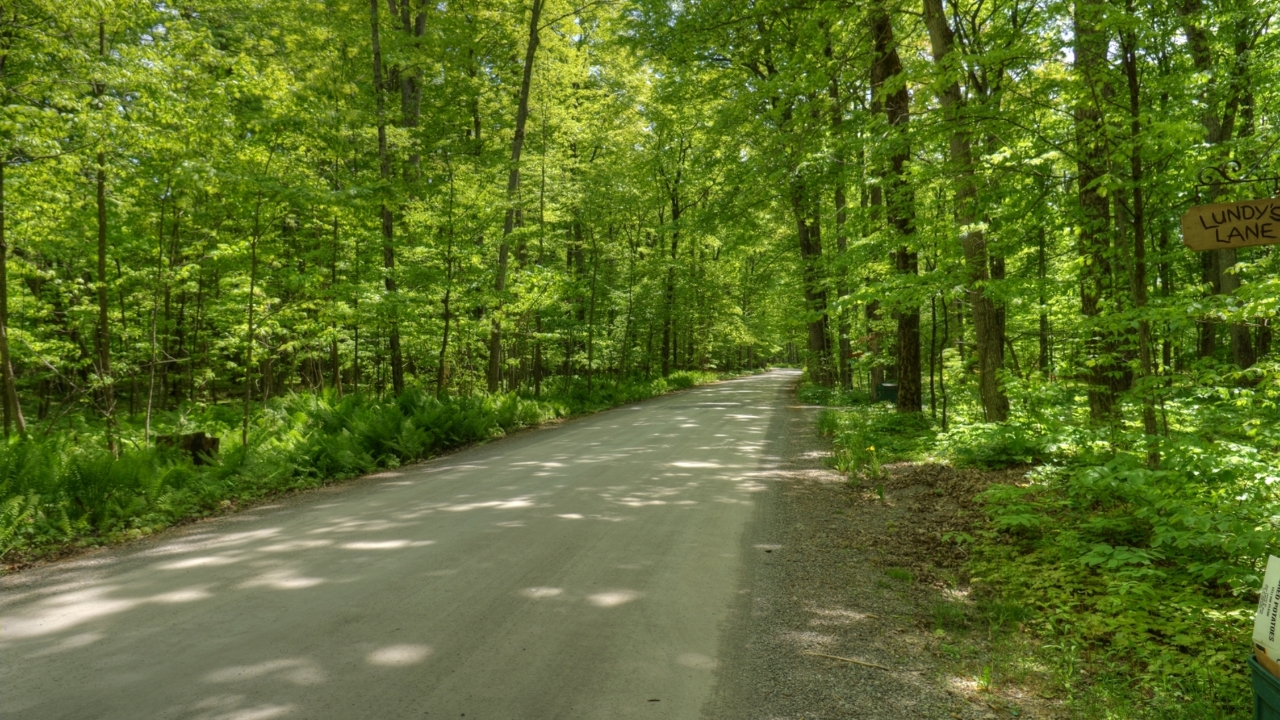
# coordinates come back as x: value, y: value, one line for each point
x: 848, y: 660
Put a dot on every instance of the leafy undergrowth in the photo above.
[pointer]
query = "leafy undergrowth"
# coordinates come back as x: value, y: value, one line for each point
x: 867, y: 438
x: 65, y: 491
x: 1122, y: 590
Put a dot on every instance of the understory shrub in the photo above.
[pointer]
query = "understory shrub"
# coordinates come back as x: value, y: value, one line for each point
x: 875, y: 434
x: 69, y: 488
x: 814, y: 394
x: 1154, y: 572
x: 1140, y: 582
x: 994, y: 445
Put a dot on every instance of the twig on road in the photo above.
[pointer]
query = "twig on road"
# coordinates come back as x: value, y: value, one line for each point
x: 849, y: 660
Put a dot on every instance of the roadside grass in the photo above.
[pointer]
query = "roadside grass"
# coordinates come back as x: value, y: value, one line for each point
x: 1120, y: 591
x: 62, y: 490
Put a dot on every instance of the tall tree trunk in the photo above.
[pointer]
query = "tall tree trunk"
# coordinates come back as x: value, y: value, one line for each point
x: 103, y: 335
x: 670, y: 343
x: 248, y: 335
x: 591, y: 313
x: 442, y: 374
x: 414, y: 26
x: 513, y: 191
x: 844, y: 348
x: 12, y: 407
x: 1145, y: 389
x: 388, y: 221
x: 871, y: 199
x: 809, y: 231
x: 155, y: 312
x: 335, y: 360
x: 995, y: 404
x: 673, y: 185
x: 1225, y: 89
x: 899, y: 203
x: 1092, y: 166
x: 1041, y: 272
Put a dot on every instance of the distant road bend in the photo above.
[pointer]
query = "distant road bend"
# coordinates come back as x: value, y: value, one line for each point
x: 580, y: 571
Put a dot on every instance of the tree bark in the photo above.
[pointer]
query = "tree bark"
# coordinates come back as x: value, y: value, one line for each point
x: 809, y: 232
x: 1219, y: 126
x: 899, y: 202
x: 12, y: 407
x: 591, y: 313
x: 388, y: 221
x: 103, y: 335
x: 1145, y: 389
x: 1094, y: 243
x: 494, y: 374
x: 995, y: 404
x: 844, y: 349
x: 1042, y: 271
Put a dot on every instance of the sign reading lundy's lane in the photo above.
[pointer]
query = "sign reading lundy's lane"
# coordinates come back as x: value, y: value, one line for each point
x: 1232, y: 225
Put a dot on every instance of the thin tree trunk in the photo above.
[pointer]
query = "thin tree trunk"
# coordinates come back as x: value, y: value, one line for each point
x: 844, y: 346
x: 248, y: 338
x: 388, y: 221
x: 1042, y: 270
x: 1129, y: 43
x: 933, y: 346
x: 103, y: 335
x: 155, y: 311
x: 591, y: 314
x: 942, y: 371
x: 494, y: 375
x: 12, y: 407
x: 335, y: 360
x: 670, y: 339
x: 442, y: 374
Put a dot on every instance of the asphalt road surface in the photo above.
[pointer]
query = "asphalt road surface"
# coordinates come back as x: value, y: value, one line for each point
x: 586, y: 570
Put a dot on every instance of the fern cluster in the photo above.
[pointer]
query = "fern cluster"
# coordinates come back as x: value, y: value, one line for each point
x: 65, y: 487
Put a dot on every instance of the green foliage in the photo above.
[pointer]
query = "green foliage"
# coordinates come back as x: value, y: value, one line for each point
x: 994, y: 445
x: 59, y: 490
x: 867, y: 437
x: 1152, y: 571
x: 1132, y: 577
x: 813, y: 394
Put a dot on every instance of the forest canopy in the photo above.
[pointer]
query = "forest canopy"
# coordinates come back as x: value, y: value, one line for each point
x: 210, y: 201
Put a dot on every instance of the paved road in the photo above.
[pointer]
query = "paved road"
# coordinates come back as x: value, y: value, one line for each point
x: 580, y: 571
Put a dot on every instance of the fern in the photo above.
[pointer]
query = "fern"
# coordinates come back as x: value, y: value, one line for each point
x: 14, y: 513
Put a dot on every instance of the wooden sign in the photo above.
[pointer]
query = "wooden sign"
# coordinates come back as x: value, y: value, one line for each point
x: 1232, y: 225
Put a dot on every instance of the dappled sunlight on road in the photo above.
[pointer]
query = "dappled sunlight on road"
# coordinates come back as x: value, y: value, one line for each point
x: 220, y: 707
x: 541, y: 593
x: 613, y: 598
x: 297, y: 671
x: 349, y: 596
x: 520, y: 502
x: 398, y: 655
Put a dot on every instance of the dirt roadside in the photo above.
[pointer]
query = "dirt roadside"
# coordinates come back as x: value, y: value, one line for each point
x: 856, y: 573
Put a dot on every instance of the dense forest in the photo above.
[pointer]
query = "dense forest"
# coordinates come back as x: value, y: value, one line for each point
x: 259, y: 219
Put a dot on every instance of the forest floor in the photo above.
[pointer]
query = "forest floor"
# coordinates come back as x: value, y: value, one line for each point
x: 864, y: 573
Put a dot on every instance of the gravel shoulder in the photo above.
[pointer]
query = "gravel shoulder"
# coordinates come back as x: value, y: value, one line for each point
x: 815, y: 580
